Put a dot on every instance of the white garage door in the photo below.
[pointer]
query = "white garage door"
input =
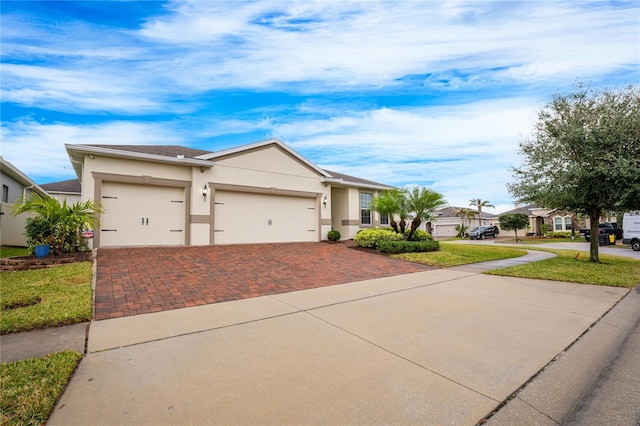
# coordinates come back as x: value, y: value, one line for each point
x: 262, y: 218
x: 141, y: 215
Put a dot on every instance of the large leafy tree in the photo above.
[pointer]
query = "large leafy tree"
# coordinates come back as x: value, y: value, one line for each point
x: 479, y: 203
x: 422, y: 202
x: 584, y: 155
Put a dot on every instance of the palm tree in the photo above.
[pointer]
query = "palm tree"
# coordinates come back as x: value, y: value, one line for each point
x: 60, y: 218
x: 463, y: 212
x: 479, y: 204
x: 422, y: 202
x: 394, y: 203
x: 388, y: 203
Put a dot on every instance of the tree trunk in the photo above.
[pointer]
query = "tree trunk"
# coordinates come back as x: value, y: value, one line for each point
x: 594, y: 218
x: 415, y: 223
x: 403, y: 226
x: 394, y: 225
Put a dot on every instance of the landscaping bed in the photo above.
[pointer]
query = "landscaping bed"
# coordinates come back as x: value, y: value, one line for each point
x: 23, y: 263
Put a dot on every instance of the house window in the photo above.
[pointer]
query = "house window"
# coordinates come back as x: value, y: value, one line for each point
x: 567, y: 223
x: 5, y: 194
x: 365, y: 208
x: 384, y: 219
x: 562, y: 223
x: 557, y: 224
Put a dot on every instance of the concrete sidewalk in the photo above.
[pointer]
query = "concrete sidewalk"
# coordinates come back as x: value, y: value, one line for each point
x: 435, y: 347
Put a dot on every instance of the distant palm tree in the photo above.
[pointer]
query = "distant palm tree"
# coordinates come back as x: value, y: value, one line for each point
x: 463, y: 212
x: 479, y: 204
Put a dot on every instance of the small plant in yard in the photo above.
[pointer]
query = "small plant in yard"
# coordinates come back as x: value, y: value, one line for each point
x: 418, y: 235
x: 57, y: 224
x: 42, y: 298
x: 333, y: 235
x: 395, y: 247
x: 370, y: 238
x: 31, y: 388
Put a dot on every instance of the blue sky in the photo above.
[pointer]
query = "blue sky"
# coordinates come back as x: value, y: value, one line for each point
x: 404, y: 92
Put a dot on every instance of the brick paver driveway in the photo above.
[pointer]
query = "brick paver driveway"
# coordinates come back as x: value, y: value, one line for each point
x: 139, y: 280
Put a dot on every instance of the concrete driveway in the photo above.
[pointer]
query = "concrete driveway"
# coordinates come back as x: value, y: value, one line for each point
x: 432, y: 347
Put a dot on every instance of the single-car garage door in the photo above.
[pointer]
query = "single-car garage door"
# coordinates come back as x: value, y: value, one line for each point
x: 142, y: 215
x: 242, y: 217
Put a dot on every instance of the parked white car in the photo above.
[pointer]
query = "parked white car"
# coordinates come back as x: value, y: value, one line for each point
x: 631, y: 230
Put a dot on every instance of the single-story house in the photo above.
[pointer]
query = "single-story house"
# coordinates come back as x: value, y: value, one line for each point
x: 444, y: 225
x: 263, y: 192
x: 541, y: 219
x: 15, y: 186
x: 69, y: 190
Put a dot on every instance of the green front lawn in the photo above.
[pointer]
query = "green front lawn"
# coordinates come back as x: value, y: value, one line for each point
x: 31, y: 388
x: 574, y: 266
x: 461, y: 254
x: 9, y: 251
x: 43, y: 298
x: 530, y: 240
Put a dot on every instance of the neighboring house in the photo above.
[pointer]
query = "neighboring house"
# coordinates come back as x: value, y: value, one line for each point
x: 445, y: 223
x: 15, y: 186
x: 257, y: 193
x: 69, y: 190
x: 541, y: 218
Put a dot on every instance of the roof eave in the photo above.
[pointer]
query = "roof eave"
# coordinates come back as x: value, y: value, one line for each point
x: 22, y: 178
x: 107, y: 152
x: 342, y: 182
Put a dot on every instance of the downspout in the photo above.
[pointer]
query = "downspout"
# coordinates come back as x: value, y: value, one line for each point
x: 24, y: 193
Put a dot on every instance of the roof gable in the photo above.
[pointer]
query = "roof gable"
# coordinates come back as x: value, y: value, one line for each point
x: 259, y: 146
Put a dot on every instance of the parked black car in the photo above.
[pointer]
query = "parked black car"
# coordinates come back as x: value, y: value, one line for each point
x: 482, y: 232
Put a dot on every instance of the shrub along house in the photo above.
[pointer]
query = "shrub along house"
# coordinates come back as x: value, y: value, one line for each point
x: 263, y: 192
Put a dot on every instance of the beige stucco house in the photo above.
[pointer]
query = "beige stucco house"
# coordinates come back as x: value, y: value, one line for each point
x: 263, y: 192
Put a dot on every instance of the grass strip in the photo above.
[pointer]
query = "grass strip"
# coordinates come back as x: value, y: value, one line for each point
x: 574, y: 266
x: 9, y: 251
x: 31, y: 388
x: 461, y: 254
x: 43, y: 298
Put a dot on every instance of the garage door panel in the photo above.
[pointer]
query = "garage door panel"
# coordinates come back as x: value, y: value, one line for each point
x: 264, y: 218
x: 142, y: 215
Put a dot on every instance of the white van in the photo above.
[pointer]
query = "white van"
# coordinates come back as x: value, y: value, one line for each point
x: 631, y: 230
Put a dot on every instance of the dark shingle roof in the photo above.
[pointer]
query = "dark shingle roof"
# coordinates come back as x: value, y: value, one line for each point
x: 522, y: 210
x: 70, y: 186
x: 354, y: 179
x: 164, y: 150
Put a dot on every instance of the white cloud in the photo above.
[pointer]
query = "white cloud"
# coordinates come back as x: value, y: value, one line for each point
x: 38, y: 149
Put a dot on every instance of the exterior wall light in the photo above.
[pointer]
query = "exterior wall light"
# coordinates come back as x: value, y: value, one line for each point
x: 205, y: 191
x: 324, y: 201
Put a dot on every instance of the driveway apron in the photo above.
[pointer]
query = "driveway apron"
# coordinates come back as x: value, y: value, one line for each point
x: 431, y: 347
x: 140, y: 280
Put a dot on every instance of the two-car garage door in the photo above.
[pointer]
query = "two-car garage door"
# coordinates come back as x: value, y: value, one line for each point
x: 242, y: 217
x: 142, y: 215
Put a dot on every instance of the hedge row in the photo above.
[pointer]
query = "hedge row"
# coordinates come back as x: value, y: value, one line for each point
x: 395, y: 247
